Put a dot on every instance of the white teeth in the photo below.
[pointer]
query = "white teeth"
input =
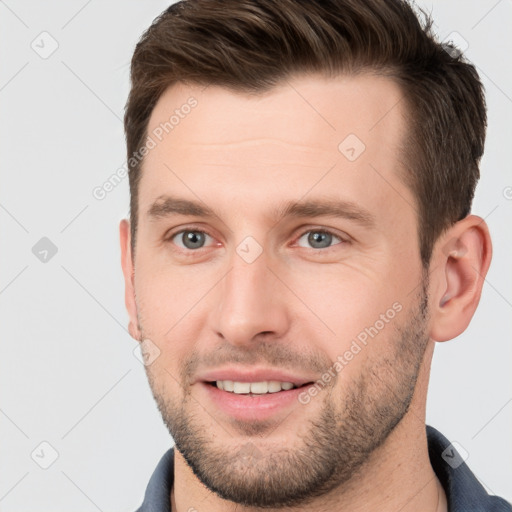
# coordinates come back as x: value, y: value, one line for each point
x: 242, y: 387
x: 274, y: 386
x: 257, y: 388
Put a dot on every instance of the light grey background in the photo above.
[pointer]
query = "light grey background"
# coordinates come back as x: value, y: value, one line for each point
x: 68, y: 375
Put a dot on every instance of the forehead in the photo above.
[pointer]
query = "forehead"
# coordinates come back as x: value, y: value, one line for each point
x: 309, y: 132
x: 307, y: 108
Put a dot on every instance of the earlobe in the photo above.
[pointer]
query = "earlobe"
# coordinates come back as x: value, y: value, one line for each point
x: 129, y: 273
x: 461, y: 258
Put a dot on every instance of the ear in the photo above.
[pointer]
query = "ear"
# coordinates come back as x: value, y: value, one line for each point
x: 129, y: 274
x: 460, y: 262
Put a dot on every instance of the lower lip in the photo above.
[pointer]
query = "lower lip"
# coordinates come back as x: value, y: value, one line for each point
x: 255, y: 407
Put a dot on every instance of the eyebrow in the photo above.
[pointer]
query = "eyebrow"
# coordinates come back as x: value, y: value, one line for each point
x: 166, y: 206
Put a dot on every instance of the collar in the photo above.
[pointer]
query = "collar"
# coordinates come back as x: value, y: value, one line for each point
x: 464, y: 493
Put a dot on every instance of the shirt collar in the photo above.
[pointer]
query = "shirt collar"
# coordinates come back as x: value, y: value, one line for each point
x: 158, y: 491
x: 463, y: 491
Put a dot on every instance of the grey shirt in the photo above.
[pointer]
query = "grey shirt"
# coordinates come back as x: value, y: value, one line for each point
x: 464, y: 492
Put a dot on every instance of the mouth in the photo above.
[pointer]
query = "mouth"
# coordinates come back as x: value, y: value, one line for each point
x: 253, y: 401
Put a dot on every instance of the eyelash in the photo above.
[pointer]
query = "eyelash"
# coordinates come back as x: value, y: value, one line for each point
x: 297, y: 238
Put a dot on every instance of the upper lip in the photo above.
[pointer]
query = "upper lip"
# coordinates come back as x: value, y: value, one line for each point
x: 253, y: 375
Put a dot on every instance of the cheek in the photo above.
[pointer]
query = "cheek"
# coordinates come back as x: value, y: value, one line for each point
x: 355, y: 320
x: 165, y: 294
x: 171, y: 306
x: 344, y: 301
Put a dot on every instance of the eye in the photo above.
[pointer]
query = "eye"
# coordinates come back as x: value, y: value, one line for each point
x: 190, y: 239
x: 318, y: 239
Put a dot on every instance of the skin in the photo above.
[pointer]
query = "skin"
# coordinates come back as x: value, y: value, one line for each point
x: 295, y: 306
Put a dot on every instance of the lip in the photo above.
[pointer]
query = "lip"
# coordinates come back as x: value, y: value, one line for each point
x: 251, y: 407
x: 253, y: 375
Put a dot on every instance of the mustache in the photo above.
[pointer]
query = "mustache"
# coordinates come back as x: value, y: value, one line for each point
x: 273, y: 354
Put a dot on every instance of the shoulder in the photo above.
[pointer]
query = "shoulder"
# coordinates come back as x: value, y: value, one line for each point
x: 464, y: 492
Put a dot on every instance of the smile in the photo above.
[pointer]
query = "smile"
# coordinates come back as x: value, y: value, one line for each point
x: 256, y: 388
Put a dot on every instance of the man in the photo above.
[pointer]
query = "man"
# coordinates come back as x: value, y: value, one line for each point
x: 301, y: 178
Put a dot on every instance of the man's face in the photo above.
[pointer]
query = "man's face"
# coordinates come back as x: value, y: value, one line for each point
x: 301, y: 252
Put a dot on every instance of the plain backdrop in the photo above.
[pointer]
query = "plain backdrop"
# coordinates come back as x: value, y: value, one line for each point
x: 68, y: 374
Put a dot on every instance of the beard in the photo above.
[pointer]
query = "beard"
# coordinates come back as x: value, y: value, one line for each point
x: 335, y: 443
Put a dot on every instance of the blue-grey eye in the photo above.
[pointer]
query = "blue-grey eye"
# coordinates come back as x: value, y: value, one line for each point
x: 318, y: 239
x: 191, y: 239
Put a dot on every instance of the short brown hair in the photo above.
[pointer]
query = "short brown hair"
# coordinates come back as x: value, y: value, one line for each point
x: 253, y: 45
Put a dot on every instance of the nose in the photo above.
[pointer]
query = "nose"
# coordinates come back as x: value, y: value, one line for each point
x: 250, y: 303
